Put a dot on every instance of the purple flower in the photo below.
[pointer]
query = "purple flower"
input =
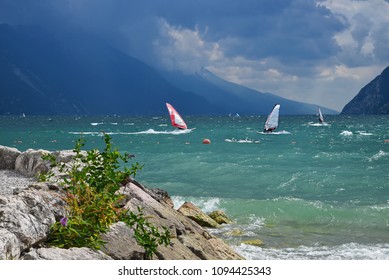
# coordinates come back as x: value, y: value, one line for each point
x: 64, y: 221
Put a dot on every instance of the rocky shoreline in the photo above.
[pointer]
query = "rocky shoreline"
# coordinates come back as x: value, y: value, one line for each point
x: 28, y: 208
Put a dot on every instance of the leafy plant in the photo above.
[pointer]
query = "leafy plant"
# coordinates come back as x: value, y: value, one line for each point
x: 91, y: 184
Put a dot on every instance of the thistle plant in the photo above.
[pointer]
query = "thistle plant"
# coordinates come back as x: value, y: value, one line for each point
x: 91, y: 184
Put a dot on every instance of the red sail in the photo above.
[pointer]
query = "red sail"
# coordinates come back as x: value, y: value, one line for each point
x: 177, y: 120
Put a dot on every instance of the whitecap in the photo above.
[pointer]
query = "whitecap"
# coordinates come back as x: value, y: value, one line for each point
x: 206, y: 204
x: 246, y: 140
x: 346, y: 133
x: 318, y: 124
x: 93, y: 133
x: 364, y: 133
x: 378, y: 155
x: 348, y: 251
x: 152, y: 131
x: 96, y: 123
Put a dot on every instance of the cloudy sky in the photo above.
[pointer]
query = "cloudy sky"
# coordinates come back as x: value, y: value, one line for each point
x: 320, y: 52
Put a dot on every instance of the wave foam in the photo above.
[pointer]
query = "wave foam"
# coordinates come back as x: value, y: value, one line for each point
x: 149, y: 131
x: 346, y: 133
x: 378, y: 155
x: 206, y: 204
x: 152, y: 131
x: 246, y: 140
x: 349, y: 251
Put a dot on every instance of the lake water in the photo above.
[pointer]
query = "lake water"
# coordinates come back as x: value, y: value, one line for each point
x: 309, y: 192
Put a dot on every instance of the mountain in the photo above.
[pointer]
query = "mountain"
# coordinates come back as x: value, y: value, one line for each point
x: 236, y: 98
x: 45, y: 73
x: 372, y: 98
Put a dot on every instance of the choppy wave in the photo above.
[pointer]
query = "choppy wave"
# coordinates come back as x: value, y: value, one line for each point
x: 152, y: 131
x: 206, y: 204
x: 92, y: 133
x: 318, y: 124
x: 350, y: 133
x: 379, y: 155
x: 349, y: 251
x: 96, y: 123
x: 281, y: 132
x: 149, y: 131
x: 246, y: 140
x: 346, y: 133
x: 364, y: 133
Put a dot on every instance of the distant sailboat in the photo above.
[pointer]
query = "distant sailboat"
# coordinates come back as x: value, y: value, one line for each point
x: 272, y: 120
x: 177, y: 120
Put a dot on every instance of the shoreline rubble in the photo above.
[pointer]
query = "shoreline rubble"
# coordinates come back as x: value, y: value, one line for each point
x: 28, y: 208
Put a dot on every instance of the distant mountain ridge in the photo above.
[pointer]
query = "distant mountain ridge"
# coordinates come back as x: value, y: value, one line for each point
x: 372, y: 98
x: 42, y: 73
x: 236, y: 98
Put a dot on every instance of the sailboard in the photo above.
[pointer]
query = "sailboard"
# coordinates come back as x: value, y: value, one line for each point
x: 176, y: 119
x: 271, y: 123
x: 321, y: 120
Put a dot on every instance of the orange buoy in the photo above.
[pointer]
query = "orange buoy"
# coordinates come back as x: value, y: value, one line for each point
x: 386, y: 141
x: 206, y: 141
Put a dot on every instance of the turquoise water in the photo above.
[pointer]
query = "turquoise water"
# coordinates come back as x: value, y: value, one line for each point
x: 312, y: 192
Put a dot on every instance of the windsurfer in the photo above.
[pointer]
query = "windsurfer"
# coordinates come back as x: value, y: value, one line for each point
x: 269, y: 130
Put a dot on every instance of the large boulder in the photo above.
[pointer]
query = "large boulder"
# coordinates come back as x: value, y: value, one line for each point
x: 220, y: 217
x: 30, y: 162
x: 190, y: 210
x: 25, y: 219
x: 120, y: 243
x: 189, y: 240
x: 8, y: 157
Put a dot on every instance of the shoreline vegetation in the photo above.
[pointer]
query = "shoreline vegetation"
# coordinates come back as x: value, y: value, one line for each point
x: 78, y: 205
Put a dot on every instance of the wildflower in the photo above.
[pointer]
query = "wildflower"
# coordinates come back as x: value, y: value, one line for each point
x: 64, y: 221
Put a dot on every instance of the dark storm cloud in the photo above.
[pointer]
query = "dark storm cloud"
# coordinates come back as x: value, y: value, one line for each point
x: 289, y: 30
x: 287, y: 47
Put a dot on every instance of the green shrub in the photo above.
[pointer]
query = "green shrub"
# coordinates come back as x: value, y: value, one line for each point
x: 91, y: 184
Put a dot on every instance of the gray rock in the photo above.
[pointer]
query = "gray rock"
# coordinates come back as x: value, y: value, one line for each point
x: 29, y: 208
x: 30, y: 162
x: 191, y: 211
x: 65, y: 254
x: 220, y: 217
x: 189, y: 240
x: 121, y: 243
x: 8, y: 157
x: 9, y: 245
x: 28, y: 216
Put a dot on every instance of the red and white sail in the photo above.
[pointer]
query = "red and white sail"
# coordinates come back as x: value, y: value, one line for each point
x: 177, y: 120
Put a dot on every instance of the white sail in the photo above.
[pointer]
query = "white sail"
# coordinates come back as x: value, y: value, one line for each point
x: 176, y: 119
x: 321, y: 118
x: 272, y: 120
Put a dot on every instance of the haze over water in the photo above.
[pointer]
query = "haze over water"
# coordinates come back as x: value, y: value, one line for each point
x: 320, y: 192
